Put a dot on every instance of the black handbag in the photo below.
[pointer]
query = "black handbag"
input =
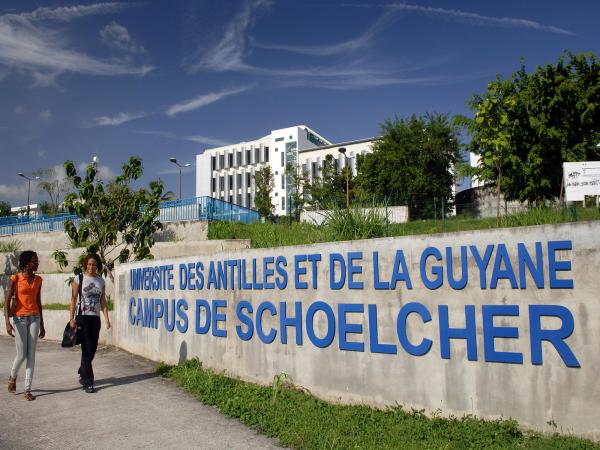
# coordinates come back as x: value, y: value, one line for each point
x: 71, y: 335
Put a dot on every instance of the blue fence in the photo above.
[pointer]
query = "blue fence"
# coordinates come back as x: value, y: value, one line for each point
x: 205, y: 208
x: 190, y: 209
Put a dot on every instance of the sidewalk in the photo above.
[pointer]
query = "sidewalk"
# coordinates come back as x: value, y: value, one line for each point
x: 133, y: 407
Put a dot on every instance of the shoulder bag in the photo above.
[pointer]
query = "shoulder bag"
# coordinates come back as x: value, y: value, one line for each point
x: 70, y: 335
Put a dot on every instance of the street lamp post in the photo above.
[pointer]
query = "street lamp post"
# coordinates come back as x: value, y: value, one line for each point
x: 174, y: 161
x: 21, y: 174
x: 342, y: 150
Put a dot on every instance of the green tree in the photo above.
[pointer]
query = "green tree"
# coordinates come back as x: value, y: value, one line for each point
x: 53, y: 185
x: 491, y: 136
x: 412, y: 164
x: 555, y: 118
x: 329, y: 190
x: 264, y: 183
x: 4, y: 209
x: 116, y: 221
x: 296, y: 189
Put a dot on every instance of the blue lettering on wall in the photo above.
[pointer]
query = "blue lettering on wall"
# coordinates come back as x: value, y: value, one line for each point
x: 491, y: 332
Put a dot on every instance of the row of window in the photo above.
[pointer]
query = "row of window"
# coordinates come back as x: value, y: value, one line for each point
x: 221, y: 181
x: 239, y: 158
x: 237, y: 199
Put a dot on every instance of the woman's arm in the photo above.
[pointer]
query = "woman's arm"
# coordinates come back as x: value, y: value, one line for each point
x: 74, y: 294
x: 105, y: 308
x: 39, y: 303
x: 7, y: 300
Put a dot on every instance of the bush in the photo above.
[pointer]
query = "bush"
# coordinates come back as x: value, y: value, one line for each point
x: 355, y: 223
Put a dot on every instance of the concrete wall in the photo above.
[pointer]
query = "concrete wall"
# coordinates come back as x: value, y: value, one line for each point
x: 384, y: 371
x: 171, y: 232
x: 55, y: 288
x: 55, y: 322
x: 394, y: 214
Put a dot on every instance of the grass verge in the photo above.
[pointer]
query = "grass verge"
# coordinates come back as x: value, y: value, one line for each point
x: 265, y: 235
x: 299, y: 420
x: 63, y: 306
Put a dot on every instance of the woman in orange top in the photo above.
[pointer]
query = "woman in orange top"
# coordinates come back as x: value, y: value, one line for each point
x: 28, y: 320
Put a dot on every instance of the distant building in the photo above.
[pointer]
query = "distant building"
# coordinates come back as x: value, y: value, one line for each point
x: 227, y: 172
x: 34, y: 210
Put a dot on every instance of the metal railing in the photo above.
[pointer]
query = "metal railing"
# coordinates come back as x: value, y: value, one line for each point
x: 205, y: 209
x: 189, y: 209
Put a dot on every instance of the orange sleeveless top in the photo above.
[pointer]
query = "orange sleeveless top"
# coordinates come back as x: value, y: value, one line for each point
x: 27, y: 294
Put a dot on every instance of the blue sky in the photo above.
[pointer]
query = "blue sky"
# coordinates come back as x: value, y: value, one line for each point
x: 170, y: 78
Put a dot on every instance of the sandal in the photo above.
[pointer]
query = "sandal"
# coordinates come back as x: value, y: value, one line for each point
x: 28, y: 396
x: 12, y: 385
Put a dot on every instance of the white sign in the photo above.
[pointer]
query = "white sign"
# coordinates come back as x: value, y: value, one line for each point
x: 581, y: 179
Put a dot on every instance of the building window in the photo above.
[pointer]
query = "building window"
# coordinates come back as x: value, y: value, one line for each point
x: 282, y: 159
x: 230, y: 159
x: 283, y: 203
x: 279, y: 139
x: 239, y: 159
x: 213, y: 163
x: 256, y: 155
x: 221, y: 161
x: 248, y: 179
x: 230, y: 182
x: 266, y: 154
x: 248, y: 157
x: 239, y: 199
x: 291, y: 137
x: 315, y: 169
x: 221, y: 184
x: 282, y: 181
x: 249, y: 201
x: 239, y: 180
x: 214, y: 184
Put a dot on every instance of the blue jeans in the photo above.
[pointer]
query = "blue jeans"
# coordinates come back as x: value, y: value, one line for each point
x: 27, y: 330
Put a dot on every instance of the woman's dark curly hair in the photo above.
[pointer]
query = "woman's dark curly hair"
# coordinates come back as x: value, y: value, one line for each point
x: 92, y: 256
x: 25, y: 258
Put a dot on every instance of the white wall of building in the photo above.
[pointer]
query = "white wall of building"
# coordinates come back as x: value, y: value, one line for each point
x: 227, y: 172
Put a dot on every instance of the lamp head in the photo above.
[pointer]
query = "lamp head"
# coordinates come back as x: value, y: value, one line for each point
x: 342, y: 150
x: 173, y: 160
x: 21, y: 174
x: 187, y: 165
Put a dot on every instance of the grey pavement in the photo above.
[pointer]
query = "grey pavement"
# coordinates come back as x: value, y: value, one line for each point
x: 133, y: 407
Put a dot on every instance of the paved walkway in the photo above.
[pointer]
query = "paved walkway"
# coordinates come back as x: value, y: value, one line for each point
x: 133, y: 407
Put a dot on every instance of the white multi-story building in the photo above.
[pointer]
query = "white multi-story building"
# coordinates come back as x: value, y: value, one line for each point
x: 227, y: 172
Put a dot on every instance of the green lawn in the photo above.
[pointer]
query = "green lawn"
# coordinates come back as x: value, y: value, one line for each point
x: 299, y: 420
x: 276, y: 235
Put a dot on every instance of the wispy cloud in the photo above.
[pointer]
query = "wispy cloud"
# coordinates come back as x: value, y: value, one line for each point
x: 118, y: 119
x: 67, y: 13
x: 29, y: 43
x: 352, y: 45
x: 117, y: 36
x: 41, y: 154
x: 216, y: 142
x: 13, y: 192
x: 229, y: 53
x: 203, y: 100
x: 207, y: 140
x: 469, y: 17
x: 19, y: 109
x: 46, y: 114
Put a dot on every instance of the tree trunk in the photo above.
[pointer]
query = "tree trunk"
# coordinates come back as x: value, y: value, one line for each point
x: 498, y: 196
